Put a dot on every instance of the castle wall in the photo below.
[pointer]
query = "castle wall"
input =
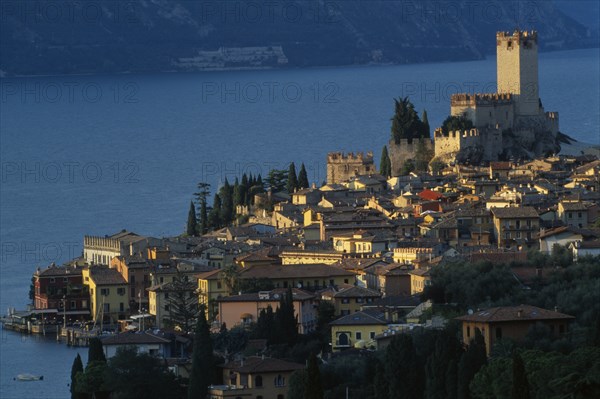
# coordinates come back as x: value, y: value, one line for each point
x: 493, y: 113
x: 341, y: 167
x: 455, y: 141
x: 517, y: 69
x: 403, y: 151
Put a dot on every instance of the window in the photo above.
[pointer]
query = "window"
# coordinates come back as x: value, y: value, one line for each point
x: 84, y: 304
x: 73, y: 304
x: 107, y: 308
x: 279, y: 381
x: 372, y: 335
x: 359, y: 300
x: 167, y: 308
x: 468, y: 331
x: 345, y: 300
x: 166, y: 295
x: 219, y: 285
x: 570, y: 215
x: 345, y: 281
x: 104, y: 291
x: 121, y: 291
x: 331, y: 282
x: 345, y: 312
x: 66, y: 279
x: 579, y: 214
x: 498, y: 333
x: 358, y: 335
x: 121, y: 307
x: 258, y: 382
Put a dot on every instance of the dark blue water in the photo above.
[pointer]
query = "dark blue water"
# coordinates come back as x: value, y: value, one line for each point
x: 93, y: 155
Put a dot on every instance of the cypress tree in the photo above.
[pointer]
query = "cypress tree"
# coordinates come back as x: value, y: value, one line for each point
x: 95, y: 351
x: 76, y: 368
x: 244, y: 187
x: 385, y: 165
x: 314, y: 387
x: 303, y: 177
x: 214, y: 218
x: 226, y: 193
x: 520, y: 385
x: 203, y: 365
x: 405, y: 122
x: 292, y: 181
x: 471, y: 361
x: 191, y: 222
x: 286, y: 325
x: 426, y: 129
x: 440, y: 371
x: 402, y: 366
x: 201, y: 199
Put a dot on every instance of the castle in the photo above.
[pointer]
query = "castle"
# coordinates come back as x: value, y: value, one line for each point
x: 510, y: 122
x: 342, y: 167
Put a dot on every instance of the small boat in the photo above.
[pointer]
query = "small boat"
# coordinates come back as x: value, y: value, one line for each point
x: 29, y: 377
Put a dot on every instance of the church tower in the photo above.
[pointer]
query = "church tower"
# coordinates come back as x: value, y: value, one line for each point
x: 517, y: 69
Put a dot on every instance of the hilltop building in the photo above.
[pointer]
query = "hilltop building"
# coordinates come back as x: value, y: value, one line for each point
x: 510, y: 122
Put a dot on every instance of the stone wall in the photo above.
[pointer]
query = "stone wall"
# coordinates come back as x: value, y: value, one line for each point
x: 400, y: 152
x: 341, y: 167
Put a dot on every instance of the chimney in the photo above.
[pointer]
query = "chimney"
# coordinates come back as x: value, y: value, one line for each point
x: 520, y: 313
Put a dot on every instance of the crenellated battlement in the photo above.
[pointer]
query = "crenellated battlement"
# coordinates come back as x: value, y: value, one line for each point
x: 518, y: 37
x: 340, y: 157
x: 439, y: 133
x: 480, y: 99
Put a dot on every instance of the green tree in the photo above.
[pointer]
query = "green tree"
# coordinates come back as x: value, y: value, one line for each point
x: 325, y: 315
x: 297, y: 385
x: 182, y: 301
x: 265, y: 324
x: 406, y: 123
x: 227, y: 211
x: 230, y: 277
x: 425, y: 124
x: 203, y: 364
x: 520, y: 386
x: 95, y: 351
x: 91, y: 383
x: 385, y: 165
x: 303, y: 177
x: 403, y: 370
x: 454, y: 123
x: 470, y: 363
x: 292, y: 181
x: 133, y: 375
x: 277, y: 180
x: 244, y: 187
x: 214, y: 217
x: 286, y: 323
x: 201, y: 199
x: 191, y: 221
x: 313, y: 389
x: 441, y: 368
x: 238, y: 194
x: 77, y: 368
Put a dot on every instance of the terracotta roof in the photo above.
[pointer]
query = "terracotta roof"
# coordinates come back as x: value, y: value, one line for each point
x: 256, y: 364
x: 515, y: 212
x: 358, y: 319
x: 514, y: 313
x: 52, y: 271
x: 307, y: 271
x: 430, y: 195
x: 356, y: 292
x: 104, y: 276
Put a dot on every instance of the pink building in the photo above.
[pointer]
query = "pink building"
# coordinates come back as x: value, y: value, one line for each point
x: 245, y: 308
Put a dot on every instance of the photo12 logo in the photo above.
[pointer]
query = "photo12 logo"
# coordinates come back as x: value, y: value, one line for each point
x: 41, y: 253
x: 37, y: 92
x: 31, y: 172
x: 269, y: 92
x: 64, y: 12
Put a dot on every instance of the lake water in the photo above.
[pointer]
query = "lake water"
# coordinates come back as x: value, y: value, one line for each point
x: 96, y: 154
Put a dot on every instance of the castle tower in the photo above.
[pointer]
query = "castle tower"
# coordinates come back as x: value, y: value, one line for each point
x: 517, y: 68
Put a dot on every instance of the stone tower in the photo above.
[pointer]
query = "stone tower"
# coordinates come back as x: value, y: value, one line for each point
x: 341, y: 167
x: 517, y: 68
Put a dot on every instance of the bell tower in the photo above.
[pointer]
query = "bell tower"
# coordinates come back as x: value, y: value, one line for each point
x: 517, y: 69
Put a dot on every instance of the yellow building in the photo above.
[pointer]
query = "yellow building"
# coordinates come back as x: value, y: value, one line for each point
x: 356, y: 330
x: 307, y: 276
x: 348, y: 299
x: 255, y: 378
x: 109, y: 297
x: 419, y: 279
x: 211, y: 286
x: 161, y: 296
